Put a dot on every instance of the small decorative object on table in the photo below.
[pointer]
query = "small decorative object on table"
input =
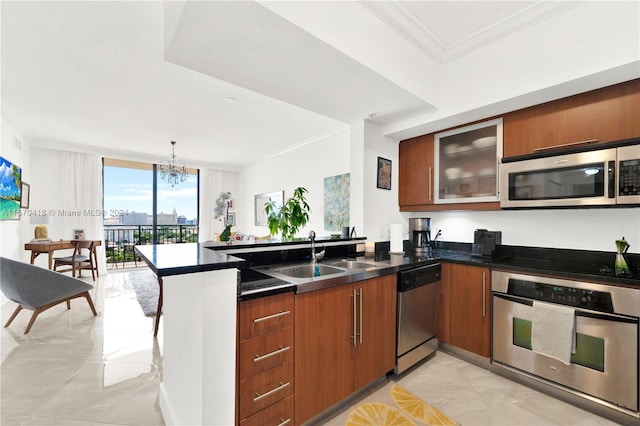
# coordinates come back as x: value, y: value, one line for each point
x: 621, y: 267
x: 78, y: 234
x: 222, y: 213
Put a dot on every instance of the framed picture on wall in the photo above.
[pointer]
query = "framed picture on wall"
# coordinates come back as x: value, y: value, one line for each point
x: 261, y: 200
x: 384, y: 173
x: 24, y: 195
x: 230, y: 219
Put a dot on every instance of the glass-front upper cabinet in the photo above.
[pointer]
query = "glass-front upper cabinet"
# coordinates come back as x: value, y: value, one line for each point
x: 467, y: 161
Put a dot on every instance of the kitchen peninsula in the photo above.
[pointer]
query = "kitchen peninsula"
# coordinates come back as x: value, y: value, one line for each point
x: 203, y: 284
x: 199, y: 294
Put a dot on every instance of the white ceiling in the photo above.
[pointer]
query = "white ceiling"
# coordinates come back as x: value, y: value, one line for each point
x: 237, y: 82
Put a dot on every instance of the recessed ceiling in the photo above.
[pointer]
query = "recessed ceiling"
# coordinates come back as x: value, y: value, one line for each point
x: 126, y: 78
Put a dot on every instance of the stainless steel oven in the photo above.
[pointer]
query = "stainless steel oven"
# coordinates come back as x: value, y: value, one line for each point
x: 598, y: 177
x: 417, y: 322
x: 604, y: 365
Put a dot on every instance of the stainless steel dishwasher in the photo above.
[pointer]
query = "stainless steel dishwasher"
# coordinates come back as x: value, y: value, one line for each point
x: 418, y: 294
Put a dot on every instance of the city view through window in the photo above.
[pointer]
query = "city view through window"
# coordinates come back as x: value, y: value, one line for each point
x: 128, y: 208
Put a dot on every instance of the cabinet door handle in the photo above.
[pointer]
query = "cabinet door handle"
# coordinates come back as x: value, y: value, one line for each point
x: 271, y: 392
x: 284, y: 422
x: 360, y: 315
x: 564, y: 145
x: 268, y: 317
x: 484, y: 298
x: 270, y: 354
x: 354, y: 318
x: 429, y: 182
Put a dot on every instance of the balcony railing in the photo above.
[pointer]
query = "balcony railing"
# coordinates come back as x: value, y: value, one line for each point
x: 119, y: 239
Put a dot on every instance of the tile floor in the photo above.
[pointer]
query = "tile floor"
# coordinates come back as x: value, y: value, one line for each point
x: 473, y: 395
x: 76, y: 369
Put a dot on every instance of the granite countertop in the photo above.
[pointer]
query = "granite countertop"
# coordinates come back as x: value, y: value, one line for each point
x: 389, y: 264
x: 175, y: 259
x: 185, y: 258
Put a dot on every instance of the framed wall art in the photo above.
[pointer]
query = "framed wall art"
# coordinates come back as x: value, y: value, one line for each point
x: 384, y: 173
x: 230, y: 219
x: 24, y: 196
x: 10, y: 190
x: 261, y: 200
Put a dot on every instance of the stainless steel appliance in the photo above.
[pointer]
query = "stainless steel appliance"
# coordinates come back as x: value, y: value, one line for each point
x: 418, y: 293
x: 420, y: 234
x: 598, y: 177
x: 485, y: 243
x: 603, y: 372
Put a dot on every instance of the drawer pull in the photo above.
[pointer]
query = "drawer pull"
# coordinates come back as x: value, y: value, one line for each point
x: 268, y: 317
x: 284, y: 422
x: 271, y: 392
x: 270, y: 354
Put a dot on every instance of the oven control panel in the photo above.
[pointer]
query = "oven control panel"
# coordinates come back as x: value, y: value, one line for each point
x: 570, y: 296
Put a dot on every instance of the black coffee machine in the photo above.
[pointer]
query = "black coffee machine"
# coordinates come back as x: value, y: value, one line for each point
x: 420, y: 234
x: 485, y: 243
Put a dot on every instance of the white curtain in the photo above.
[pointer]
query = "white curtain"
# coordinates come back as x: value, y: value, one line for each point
x: 210, y: 188
x: 82, y: 194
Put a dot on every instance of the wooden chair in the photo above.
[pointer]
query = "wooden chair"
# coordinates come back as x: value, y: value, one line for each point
x: 79, y: 261
x: 39, y: 289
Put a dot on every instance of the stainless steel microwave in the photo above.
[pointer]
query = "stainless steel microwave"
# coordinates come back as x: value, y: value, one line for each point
x: 602, y: 177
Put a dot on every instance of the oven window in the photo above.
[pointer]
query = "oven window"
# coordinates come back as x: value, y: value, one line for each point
x: 589, y: 349
x: 582, y: 181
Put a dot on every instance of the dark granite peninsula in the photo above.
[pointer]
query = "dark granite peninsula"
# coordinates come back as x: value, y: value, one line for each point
x: 199, y: 296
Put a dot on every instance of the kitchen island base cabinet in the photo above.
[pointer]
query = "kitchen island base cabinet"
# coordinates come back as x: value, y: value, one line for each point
x: 345, y: 339
x: 265, y: 360
x: 469, y: 313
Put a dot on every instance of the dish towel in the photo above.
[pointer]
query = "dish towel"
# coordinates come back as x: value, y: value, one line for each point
x: 553, y: 331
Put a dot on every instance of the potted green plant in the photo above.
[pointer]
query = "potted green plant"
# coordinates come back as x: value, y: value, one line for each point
x: 289, y: 218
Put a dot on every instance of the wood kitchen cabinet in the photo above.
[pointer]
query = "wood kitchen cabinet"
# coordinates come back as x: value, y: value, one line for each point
x: 415, y: 179
x: 607, y: 114
x: 345, y: 339
x: 265, y: 360
x: 470, y: 308
x: 416, y: 158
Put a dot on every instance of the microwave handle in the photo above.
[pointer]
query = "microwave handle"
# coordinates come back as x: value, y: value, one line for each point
x: 612, y: 179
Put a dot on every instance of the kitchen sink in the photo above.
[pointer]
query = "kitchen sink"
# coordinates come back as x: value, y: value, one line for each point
x: 351, y: 264
x: 307, y: 271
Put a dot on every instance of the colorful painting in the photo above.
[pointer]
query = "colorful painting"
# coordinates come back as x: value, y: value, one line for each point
x: 337, y: 194
x: 10, y: 185
x: 384, y: 173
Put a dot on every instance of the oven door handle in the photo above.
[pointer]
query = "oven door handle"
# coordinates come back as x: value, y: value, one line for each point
x: 515, y: 299
x: 579, y: 311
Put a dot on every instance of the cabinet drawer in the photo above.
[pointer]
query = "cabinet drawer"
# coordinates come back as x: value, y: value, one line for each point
x: 264, y: 315
x: 265, y: 352
x: 279, y: 414
x: 264, y: 389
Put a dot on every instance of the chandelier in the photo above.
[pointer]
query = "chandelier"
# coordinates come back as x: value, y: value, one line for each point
x: 171, y: 172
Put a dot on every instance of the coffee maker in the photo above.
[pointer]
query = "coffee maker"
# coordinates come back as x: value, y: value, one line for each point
x: 420, y: 234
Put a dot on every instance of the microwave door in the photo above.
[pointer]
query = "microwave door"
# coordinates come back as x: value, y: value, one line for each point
x: 572, y: 185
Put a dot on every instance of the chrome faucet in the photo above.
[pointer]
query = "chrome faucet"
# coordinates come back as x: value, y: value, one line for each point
x: 435, y: 239
x: 315, y: 256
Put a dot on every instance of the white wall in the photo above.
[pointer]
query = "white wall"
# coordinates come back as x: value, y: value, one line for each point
x: 306, y: 166
x: 381, y: 205
x: 14, y: 233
